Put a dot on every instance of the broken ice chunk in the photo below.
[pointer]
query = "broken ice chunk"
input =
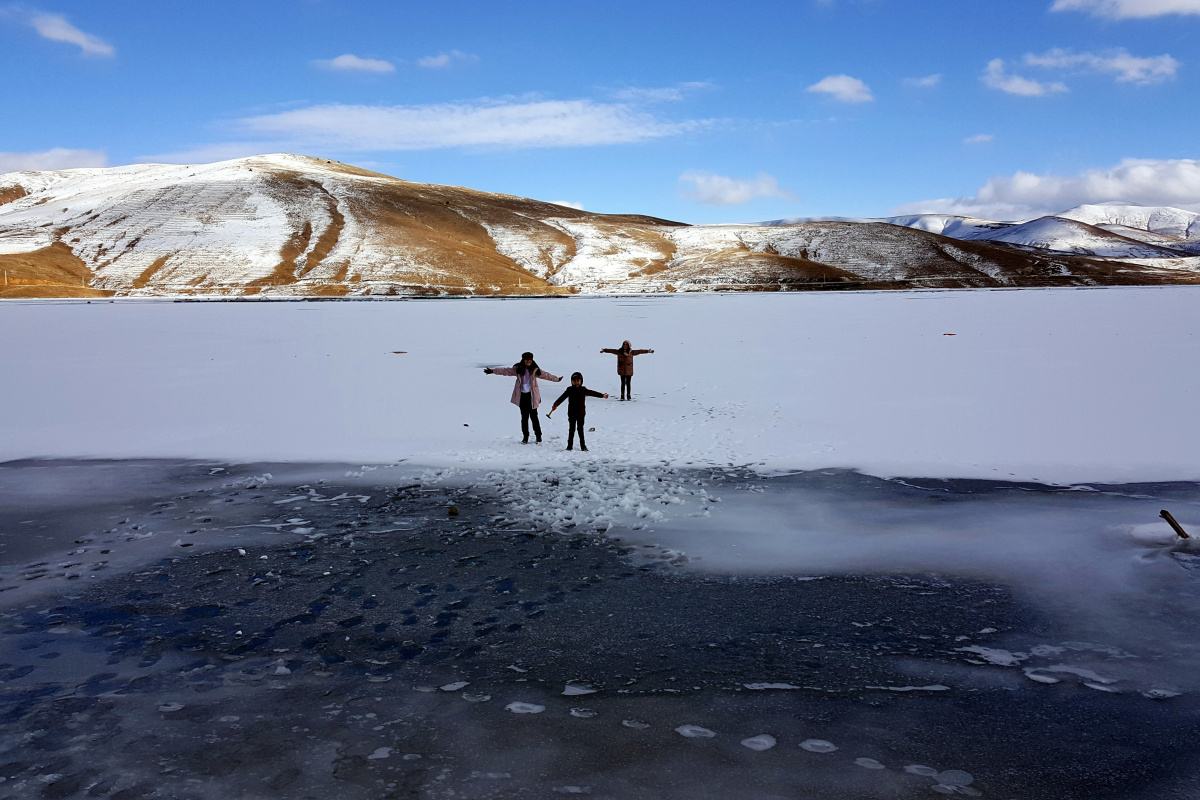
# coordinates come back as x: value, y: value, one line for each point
x: 583, y: 713
x: 818, y: 746
x: 572, y: 690
x: 454, y: 687
x: 382, y: 752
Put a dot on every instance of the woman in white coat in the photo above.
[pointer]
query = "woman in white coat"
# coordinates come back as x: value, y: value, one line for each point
x: 526, y: 394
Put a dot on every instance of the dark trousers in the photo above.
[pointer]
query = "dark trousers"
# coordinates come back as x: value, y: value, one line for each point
x: 576, y: 424
x: 626, y: 387
x: 528, y: 412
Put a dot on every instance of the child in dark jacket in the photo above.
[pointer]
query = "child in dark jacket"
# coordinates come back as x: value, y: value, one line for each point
x: 576, y: 396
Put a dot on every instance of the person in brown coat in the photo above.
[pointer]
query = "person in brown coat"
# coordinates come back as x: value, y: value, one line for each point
x: 526, y: 395
x: 625, y: 355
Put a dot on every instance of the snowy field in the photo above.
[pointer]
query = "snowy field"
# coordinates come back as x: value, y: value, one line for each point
x: 1058, y: 386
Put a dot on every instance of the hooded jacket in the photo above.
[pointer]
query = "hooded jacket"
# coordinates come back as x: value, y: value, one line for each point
x: 534, y: 373
x: 624, y: 357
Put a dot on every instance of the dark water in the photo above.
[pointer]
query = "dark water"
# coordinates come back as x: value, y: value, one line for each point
x: 325, y: 660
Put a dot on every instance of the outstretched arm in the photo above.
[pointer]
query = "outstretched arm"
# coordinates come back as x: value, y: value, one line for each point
x: 612, y: 350
x: 549, y: 377
x: 639, y: 352
x: 558, y: 402
x: 591, y: 393
x: 509, y: 371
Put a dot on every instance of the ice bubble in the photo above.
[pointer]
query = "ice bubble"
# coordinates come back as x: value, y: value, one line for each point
x: 954, y: 777
x: 764, y: 741
x: 454, y: 687
x: 695, y: 732
x: 818, y: 746
x: 583, y: 713
x: 167, y: 708
x: 411, y: 756
x: 920, y: 769
x: 524, y: 708
x: 1034, y: 675
x: 1161, y: 694
x: 476, y: 698
x: 636, y: 724
x: 869, y: 763
x: 382, y: 752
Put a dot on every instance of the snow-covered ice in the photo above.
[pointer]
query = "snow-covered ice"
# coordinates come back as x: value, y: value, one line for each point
x: 1059, y: 386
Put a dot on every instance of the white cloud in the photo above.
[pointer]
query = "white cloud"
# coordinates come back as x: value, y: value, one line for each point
x: 995, y: 77
x: 979, y: 138
x: 568, y: 204
x: 539, y: 123
x: 1129, y: 9
x: 1023, y: 195
x: 443, y: 60
x: 1127, y: 68
x: 719, y: 190
x: 670, y: 94
x: 56, y: 28
x: 924, y: 83
x: 352, y: 63
x: 843, y: 88
x: 55, y: 158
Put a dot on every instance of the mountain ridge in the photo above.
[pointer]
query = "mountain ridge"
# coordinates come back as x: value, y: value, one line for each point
x: 285, y: 225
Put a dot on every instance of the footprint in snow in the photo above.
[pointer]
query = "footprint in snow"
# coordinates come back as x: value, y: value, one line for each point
x: 818, y: 746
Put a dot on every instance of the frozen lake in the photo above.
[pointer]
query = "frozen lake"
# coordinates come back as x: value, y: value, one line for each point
x: 829, y: 551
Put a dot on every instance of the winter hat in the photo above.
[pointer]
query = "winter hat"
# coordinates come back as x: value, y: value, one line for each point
x: 577, y: 375
x: 527, y: 355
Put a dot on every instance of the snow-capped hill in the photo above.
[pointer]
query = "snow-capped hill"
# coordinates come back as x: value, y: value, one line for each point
x: 1070, y: 236
x: 1164, y: 220
x: 289, y: 225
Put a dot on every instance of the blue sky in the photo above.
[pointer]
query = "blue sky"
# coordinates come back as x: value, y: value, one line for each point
x: 699, y: 111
